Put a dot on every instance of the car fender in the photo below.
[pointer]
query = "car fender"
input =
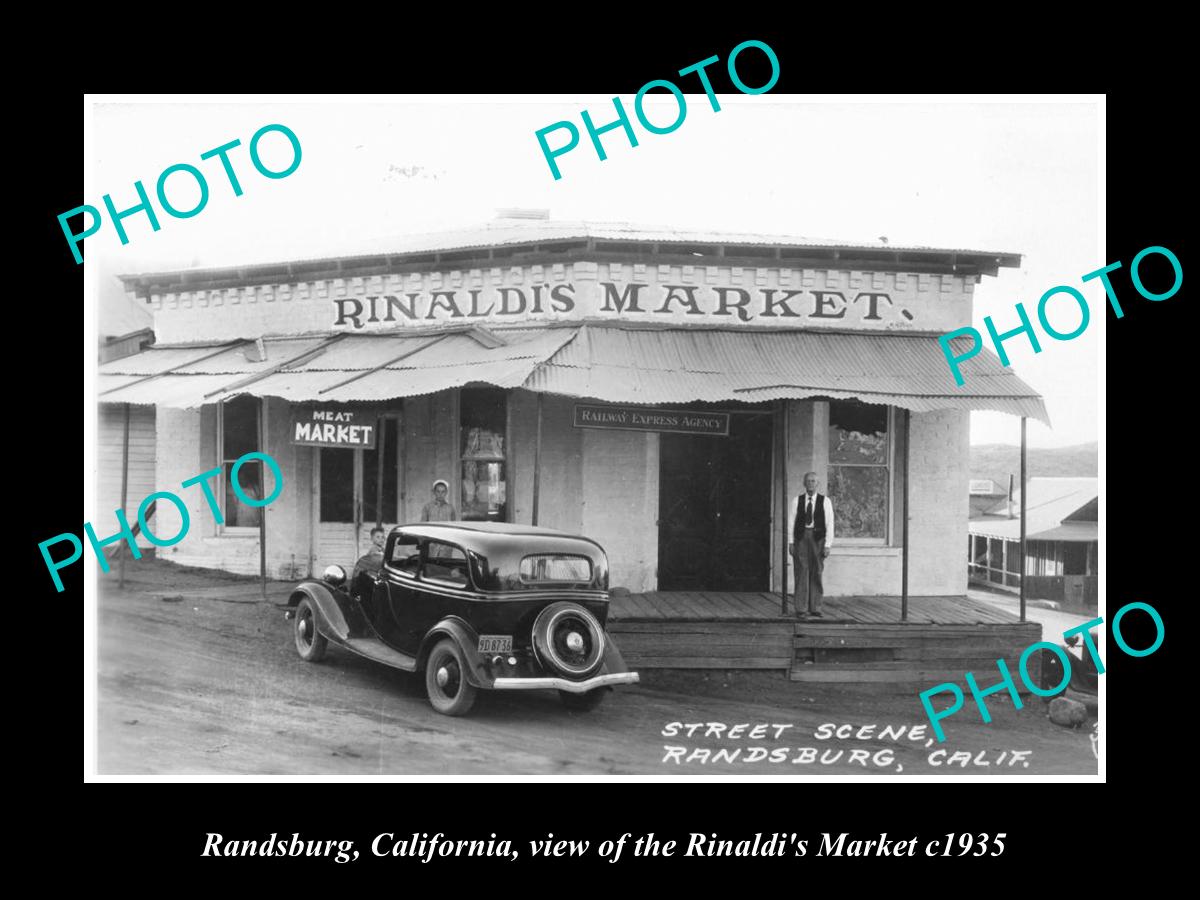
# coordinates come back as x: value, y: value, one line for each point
x: 613, y: 661
x: 468, y: 643
x: 339, y: 617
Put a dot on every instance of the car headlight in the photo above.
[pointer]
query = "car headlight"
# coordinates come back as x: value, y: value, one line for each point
x: 334, y: 575
x: 568, y: 638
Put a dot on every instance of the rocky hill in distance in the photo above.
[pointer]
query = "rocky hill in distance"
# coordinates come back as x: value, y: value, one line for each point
x: 996, y: 461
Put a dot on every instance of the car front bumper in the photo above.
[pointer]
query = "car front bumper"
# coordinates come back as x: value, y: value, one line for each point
x: 564, y: 684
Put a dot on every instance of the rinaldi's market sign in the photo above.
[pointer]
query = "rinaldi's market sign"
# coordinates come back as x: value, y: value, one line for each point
x: 627, y: 302
x: 640, y: 418
x: 769, y: 297
x: 334, y: 426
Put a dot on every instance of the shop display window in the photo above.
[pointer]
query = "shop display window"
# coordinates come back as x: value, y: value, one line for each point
x: 860, y: 465
x: 237, y: 434
x: 483, y: 449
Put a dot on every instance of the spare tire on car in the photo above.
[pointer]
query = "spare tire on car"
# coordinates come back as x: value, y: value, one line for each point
x: 568, y: 639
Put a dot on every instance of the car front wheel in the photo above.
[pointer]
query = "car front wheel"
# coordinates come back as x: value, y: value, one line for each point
x: 310, y: 643
x: 583, y: 702
x: 446, y: 681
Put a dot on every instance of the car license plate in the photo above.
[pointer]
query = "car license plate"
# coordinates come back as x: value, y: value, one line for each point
x: 495, y: 643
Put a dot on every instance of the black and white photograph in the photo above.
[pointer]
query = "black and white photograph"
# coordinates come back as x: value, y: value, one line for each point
x: 692, y: 433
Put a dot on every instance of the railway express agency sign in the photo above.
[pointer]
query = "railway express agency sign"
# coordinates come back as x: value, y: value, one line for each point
x: 639, y: 418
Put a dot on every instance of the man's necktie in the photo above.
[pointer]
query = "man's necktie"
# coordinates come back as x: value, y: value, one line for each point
x: 808, y: 515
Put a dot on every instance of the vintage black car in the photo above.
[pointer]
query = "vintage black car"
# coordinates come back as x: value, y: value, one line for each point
x: 473, y: 605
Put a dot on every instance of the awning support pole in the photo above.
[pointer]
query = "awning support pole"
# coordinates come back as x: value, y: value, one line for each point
x: 380, y: 447
x: 904, y: 521
x: 124, y: 491
x: 783, y: 505
x: 402, y: 456
x: 537, y: 460
x: 1021, y: 581
x: 262, y: 489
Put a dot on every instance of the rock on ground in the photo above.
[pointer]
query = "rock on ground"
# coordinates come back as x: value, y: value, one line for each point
x: 1068, y: 713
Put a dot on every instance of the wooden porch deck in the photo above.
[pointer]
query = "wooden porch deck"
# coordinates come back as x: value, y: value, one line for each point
x: 858, y: 640
x: 681, y: 606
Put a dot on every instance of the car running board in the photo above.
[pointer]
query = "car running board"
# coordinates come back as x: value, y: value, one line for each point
x: 373, y: 648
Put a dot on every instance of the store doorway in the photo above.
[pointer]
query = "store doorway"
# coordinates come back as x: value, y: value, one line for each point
x: 355, y: 490
x: 714, y: 517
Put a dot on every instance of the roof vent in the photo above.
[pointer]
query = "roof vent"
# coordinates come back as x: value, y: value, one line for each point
x: 518, y: 213
x: 256, y: 352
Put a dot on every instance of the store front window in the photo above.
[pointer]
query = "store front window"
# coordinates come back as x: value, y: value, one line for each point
x: 237, y: 434
x: 483, y: 445
x: 860, y: 463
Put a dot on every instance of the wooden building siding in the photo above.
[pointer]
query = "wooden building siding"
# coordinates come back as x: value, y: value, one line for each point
x: 111, y: 429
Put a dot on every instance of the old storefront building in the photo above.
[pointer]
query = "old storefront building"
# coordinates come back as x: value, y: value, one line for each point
x: 662, y: 392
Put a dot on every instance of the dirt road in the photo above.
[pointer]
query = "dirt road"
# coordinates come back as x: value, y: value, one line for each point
x: 196, y: 676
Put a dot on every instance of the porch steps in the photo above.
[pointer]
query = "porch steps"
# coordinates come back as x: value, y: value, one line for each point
x: 704, y: 645
x: 903, y: 657
x: 860, y: 642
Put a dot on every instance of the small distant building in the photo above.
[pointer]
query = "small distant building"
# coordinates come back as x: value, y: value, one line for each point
x: 1061, y: 542
x: 985, y: 494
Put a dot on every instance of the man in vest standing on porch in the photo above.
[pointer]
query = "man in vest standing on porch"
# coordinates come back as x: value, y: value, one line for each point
x: 811, y: 521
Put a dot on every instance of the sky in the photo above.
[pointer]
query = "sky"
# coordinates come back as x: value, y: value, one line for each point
x: 1013, y: 176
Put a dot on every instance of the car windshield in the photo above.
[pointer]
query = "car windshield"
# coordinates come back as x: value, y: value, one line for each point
x: 406, y: 555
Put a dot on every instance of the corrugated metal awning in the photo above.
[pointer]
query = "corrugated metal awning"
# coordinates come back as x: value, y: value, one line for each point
x: 617, y: 364
x: 640, y: 365
x: 392, y: 365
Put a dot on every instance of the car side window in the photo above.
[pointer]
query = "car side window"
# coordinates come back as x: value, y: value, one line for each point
x: 405, y: 555
x: 445, y: 562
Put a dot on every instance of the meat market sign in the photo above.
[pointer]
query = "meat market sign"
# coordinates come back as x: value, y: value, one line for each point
x: 334, y: 426
x: 640, y: 418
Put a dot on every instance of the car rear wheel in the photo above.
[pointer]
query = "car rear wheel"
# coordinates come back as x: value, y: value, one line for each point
x: 583, y: 702
x: 310, y: 643
x: 446, y: 681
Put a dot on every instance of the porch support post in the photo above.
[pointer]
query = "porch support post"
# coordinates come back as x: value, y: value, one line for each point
x: 262, y: 490
x: 380, y: 448
x: 904, y: 523
x: 124, y: 495
x: 1021, y: 582
x: 537, y: 460
x: 782, y: 419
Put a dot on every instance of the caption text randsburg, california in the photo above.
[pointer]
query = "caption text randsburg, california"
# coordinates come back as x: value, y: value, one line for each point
x: 426, y: 847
